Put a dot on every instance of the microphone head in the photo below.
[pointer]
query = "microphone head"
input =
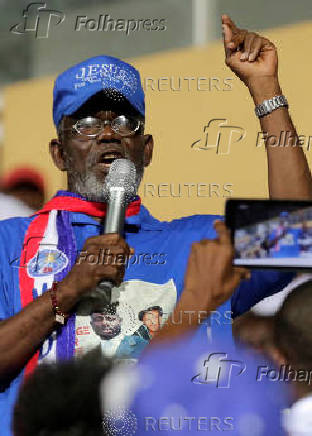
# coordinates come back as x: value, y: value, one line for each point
x: 121, y: 174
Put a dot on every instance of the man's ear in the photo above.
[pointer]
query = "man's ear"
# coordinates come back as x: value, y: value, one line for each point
x: 148, y: 150
x: 57, y: 152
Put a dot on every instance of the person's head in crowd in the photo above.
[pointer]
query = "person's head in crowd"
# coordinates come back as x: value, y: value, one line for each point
x: 106, y: 322
x: 190, y: 387
x: 25, y: 184
x: 99, y: 123
x: 62, y: 399
x: 283, y: 219
x: 256, y: 332
x: 293, y: 356
x: 151, y: 318
x: 87, y: 397
x: 293, y: 337
x: 305, y: 226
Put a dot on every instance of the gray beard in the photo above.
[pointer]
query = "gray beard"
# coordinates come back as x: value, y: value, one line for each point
x: 88, y: 184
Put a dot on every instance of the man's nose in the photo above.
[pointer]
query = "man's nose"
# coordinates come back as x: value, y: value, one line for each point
x: 108, y: 133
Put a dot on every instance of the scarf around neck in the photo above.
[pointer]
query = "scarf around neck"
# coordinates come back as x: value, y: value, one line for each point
x: 48, y: 254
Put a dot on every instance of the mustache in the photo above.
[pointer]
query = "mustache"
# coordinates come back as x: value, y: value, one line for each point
x: 94, y: 156
x: 110, y: 141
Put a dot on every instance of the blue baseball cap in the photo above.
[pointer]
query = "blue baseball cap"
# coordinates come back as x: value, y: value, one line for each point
x: 75, y: 86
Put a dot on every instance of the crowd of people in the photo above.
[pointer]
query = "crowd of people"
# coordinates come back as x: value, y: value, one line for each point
x: 278, y: 238
x: 172, y: 389
x: 160, y: 355
x: 22, y: 192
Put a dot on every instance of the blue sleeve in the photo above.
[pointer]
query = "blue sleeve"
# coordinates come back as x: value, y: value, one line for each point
x: 272, y: 236
x: 5, y: 307
x: 10, y: 249
x: 262, y: 284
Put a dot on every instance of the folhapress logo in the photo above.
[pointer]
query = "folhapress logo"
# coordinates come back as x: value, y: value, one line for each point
x: 218, y: 370
x: 38, y: 19
x: 221, y: 136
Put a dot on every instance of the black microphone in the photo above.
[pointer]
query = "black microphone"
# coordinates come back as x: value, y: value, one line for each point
x: 119, y: 190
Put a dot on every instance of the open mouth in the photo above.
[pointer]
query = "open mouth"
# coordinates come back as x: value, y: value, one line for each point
x: 108, y: 157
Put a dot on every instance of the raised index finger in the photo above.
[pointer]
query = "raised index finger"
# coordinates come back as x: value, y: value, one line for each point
x: 229, y: 29
x: 223, y: 233
x: 227, y: 20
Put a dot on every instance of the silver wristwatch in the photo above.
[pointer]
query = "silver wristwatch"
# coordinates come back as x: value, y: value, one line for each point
x: 269, y: 106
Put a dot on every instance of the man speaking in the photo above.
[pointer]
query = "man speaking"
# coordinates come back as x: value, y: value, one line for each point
x: 99, y: 114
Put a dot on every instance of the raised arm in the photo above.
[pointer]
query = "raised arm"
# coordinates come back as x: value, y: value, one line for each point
x: 254, y: 60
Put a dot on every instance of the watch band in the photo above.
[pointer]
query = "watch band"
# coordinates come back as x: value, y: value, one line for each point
x: 268, y: 106
x: 60, y: 317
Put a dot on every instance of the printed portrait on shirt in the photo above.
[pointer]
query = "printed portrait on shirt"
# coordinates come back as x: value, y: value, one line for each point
x: 151, y: 319
x: 123, y: 328
x: 106, y: 323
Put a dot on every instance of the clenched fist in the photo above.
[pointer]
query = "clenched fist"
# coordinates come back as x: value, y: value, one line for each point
x: 92, y: 266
